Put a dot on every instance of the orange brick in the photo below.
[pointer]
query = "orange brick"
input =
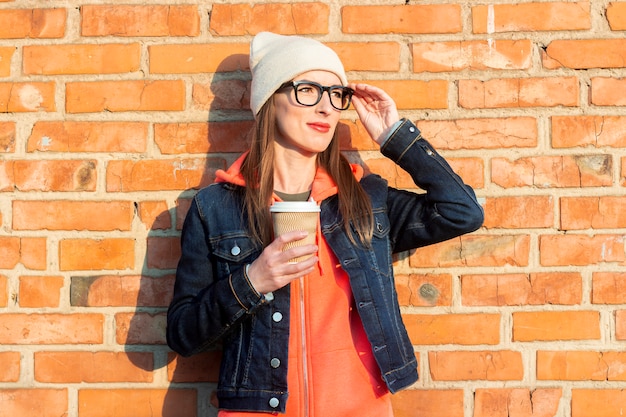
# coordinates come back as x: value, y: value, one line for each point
x: 519, y: 92
x: 598, y: 131
x: 470, y: 169
x: 91, y: 254
x: 198, y: 58
x: 519, y: 212
x: 521, y: 402
x: 72, y: 215
x: 616, y: 15
x: 6, y: 53
x: 460, y: 329
x: 7, y: 137
x: 474, y: 250
x: 182, y: 207
x: 140, y: 20
x: 424, y: 289
x: 598, y: 402
x: 623, y: 171
x: 428, y: 403
x: 608, y: 288
x: 354, y: 137
x: 603, y: 212
x: 203, y: 367
x: 71, y: 136
x: 40, y: 291
x: 561, y: 250
x: 33, y: 252
x: 231, y: 94
x: 163, y: 252
x: 487, y: 133
x: 29, y: 251
x: 10, y: 248
x: 51, y: 329
x: 620, y: 325
x: 122, y: 402
x: 52, y: 175
x: 140, y: 328
x: 415, y: 94
x: 40, y: 402
x: 529, y: 326
x: 520, y: 289
x: 585, y: 170
x: 581, y: 366
x: 27, y: 97
x: 119, y: 96
x: 486, y: 365
x: 10, y: 363
x: 585, y: 54
x: 608, y: 91
x: 32, y: 23
x: 529, y: 17
x: 155, y: 215
x: 4, y: 291
x: 285, y: 18
x: 413, y: 19
x: 160, y: 175
x: 81, y: 59
x: 121, y: 291
x: 474, y: 55
x: 75, y: 367
x: 368, y: 56
x: 212, y: 137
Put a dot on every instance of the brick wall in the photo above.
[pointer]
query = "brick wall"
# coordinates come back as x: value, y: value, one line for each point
x: 112, y: 114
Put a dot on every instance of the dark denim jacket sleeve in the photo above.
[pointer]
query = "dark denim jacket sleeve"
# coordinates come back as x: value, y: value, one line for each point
x: 448, y: 208
x: 205, y: 305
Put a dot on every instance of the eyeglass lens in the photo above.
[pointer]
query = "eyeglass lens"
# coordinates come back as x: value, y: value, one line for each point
x: 309, y: 94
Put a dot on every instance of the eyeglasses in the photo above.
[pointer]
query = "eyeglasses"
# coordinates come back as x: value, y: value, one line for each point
x: 309, y: 93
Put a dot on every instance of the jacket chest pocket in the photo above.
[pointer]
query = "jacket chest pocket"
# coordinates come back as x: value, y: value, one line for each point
x: 381, y: 224
x: 381, y: 244
x: 232, y: 251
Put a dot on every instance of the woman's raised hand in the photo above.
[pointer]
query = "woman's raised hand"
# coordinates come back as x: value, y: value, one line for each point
x: 272, y: 269
x: 375, y: 108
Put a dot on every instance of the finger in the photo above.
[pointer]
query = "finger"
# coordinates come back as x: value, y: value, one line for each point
x: 299, y: 251
x: 288, y: 237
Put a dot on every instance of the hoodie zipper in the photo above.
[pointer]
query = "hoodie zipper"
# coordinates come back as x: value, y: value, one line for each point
x: 303, y: 339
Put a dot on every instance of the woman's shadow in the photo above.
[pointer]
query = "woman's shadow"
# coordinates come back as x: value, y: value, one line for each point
x: 191, y: 382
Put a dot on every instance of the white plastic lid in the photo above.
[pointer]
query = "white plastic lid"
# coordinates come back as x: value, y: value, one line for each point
x: 294, y: 206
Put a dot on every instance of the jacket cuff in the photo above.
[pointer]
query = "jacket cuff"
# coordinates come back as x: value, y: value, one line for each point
x: 243, y: 291
x: 400, y: 140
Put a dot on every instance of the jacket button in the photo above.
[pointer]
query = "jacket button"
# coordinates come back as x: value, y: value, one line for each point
x: 411, y: 129
x: 236, y: 250
x: 274, y: 402
x: 275, y: 363
x: 278, y: 316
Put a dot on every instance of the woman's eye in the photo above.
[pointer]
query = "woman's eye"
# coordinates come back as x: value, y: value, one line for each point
x: 337, y: 93
x: 305, y: 89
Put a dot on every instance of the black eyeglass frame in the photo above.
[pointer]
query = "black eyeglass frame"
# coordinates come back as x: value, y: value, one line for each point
x: 322, y: 89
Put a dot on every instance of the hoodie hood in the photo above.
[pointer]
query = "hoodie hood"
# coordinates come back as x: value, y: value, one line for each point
x: 323, y: 185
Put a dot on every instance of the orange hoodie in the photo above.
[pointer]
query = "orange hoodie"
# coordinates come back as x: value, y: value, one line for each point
x: 332, y: 370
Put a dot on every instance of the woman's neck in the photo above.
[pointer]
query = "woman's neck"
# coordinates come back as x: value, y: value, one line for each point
x: 293, y: 172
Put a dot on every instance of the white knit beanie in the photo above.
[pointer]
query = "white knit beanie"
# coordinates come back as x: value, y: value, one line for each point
x: 276, y: 59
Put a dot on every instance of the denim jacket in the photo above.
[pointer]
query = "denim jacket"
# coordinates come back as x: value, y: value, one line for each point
x: 214, y: 301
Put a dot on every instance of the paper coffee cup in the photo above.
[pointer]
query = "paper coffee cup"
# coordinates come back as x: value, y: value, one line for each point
x: 288, y: 216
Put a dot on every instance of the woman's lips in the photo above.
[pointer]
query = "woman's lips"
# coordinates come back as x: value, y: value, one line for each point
x: 320, y: 127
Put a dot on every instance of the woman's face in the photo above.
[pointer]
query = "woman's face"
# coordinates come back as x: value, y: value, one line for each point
x: 307, y: 130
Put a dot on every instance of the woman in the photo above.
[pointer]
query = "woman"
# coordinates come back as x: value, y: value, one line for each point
x: 322, y: 337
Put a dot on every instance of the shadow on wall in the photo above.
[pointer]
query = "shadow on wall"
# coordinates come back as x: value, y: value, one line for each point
x: 191, y: 381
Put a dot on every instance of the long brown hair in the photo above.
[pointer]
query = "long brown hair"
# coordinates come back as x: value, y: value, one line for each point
x: 258, y: 172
